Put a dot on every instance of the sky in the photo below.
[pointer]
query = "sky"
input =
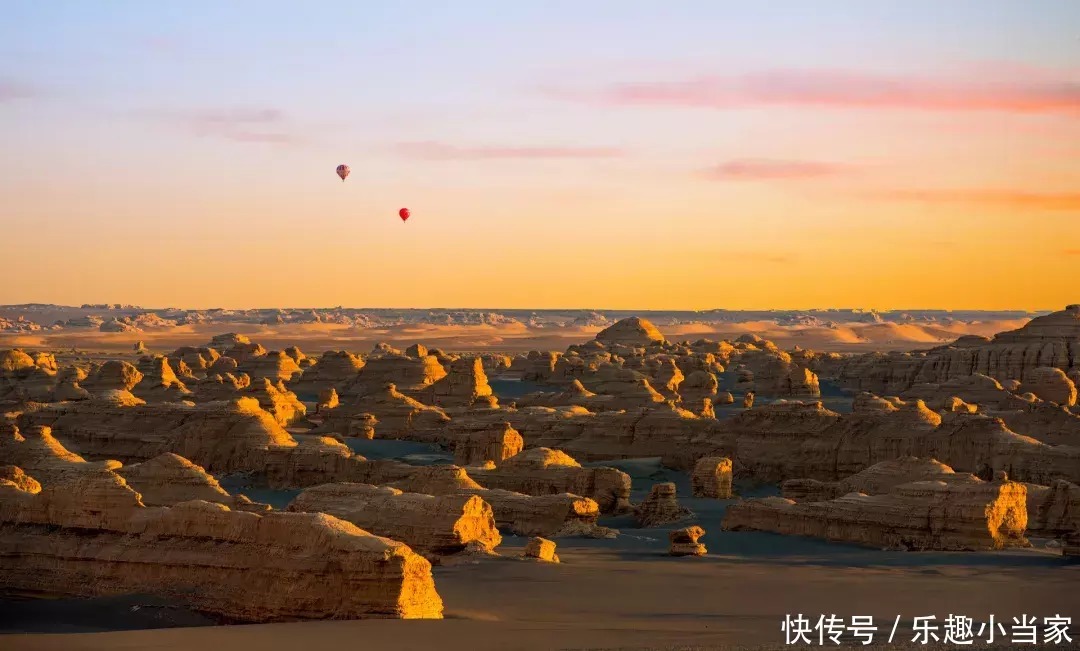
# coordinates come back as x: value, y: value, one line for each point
x: 553, y: 154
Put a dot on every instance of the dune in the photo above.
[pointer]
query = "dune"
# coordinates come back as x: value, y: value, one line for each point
x: 508, y: 337
x: 894, y: 332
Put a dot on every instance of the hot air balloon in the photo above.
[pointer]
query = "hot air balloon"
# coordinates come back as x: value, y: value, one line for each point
x: 342, y: 171
x: 403, y: 213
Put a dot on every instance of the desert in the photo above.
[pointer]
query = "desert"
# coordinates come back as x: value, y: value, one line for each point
x: 539, y: 325
x: 489, y: 491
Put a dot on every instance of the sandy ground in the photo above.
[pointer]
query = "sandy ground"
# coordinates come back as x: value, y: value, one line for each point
x: 318, y: 337
x: 598, y: 599
x: 627, y: 593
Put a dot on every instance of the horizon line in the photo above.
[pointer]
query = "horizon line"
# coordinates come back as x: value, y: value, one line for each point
x: 543, y: 309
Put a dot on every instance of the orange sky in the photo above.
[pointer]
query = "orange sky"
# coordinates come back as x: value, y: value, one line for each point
x: 804, y: 170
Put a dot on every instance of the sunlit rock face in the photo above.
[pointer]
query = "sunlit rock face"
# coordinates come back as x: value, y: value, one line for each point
x: 961, y: 513
x: 1052, y: 340
x: 89, y: 534
x: 444, y: 524
x: 333, y: 368
x: 684, y: 542
x: 553, y: 516
x: 633, y: 331
x: 542, y: 471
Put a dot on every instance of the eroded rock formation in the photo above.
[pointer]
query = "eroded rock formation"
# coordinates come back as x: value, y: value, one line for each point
x: 541, y: 549
x: 684, y: 542
x: 711, y: 477
x: 446, y: 524
x: 963, y: 513
x: 90, y: 535
x: 660, y: 507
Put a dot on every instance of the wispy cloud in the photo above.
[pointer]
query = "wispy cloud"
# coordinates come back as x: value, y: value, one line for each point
x: 239, y: 125
x: 12, y: 90
x: 1071, y: 252
x: 761, y: 169
x: 432, y: 150
x: 992, y: 198
x: 840, y: 89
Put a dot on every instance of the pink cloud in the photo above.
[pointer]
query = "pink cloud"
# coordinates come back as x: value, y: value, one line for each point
x: 754, y: 169
x: 839, y: 89
x: 12, y: 90
x: 440, y: 151
x: 994, y: 198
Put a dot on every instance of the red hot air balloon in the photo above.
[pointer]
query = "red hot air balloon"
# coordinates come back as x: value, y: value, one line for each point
x: 403, y: 213
x: 343, y: 171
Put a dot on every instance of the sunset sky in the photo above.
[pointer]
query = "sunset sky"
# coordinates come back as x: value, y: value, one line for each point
x: 653, y: 155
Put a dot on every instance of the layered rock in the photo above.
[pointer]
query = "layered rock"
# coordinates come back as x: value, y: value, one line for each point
x: 976, y: 389
x: 278, y: 401
x: 1053, y: 510
x: 1071, y: 548
x: 159, y: 382
x: 275, y: 365
x: 684, y: 542
x: 656, y: 432
x: 963, y: 513
x: 113, y: 375
x: 660, y: 507
x: 170, y: 479
x: 1051, y: 384
x: 524, y: 515
x: 575, y: 394
x: 197, y: 359
x: 328, y: 399
x: 542, y: 471
x: 1051, y: 340
x: 479, y: 446
x: 464, y: 385
x: 217, y: 387
x: 698, y: 387
x: 68, y: 387
x: 712, y: 478
x: 90, y: 535
x: 446, y: 524
x: 541, y: 549
x: 37, y: 452
x: 409, y: 374
x: 804, y: 440
x: 628, y: 388
x: 397, y: 416
x: 632, y: 331
x: 18, y: 478
x: 665, y: 376
x: 535, y: 366
x: 219, y: 436
x: 1045, y: 422
x: 878, y: 479
x: 334, y: 368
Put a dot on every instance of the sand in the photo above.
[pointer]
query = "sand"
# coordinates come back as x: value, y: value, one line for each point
x: 599, y: 599
x: 515, y: 337
x: 627, y: 593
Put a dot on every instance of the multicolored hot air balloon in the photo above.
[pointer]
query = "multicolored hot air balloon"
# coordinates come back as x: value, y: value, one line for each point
x: 403, y: 213
x: 343, y: 171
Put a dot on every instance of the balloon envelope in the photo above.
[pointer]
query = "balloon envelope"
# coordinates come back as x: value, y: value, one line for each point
x: 403, y: 213
x: 343, y: 171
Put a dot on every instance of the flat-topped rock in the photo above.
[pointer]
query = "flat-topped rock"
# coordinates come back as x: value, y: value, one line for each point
x: 90, y: 535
